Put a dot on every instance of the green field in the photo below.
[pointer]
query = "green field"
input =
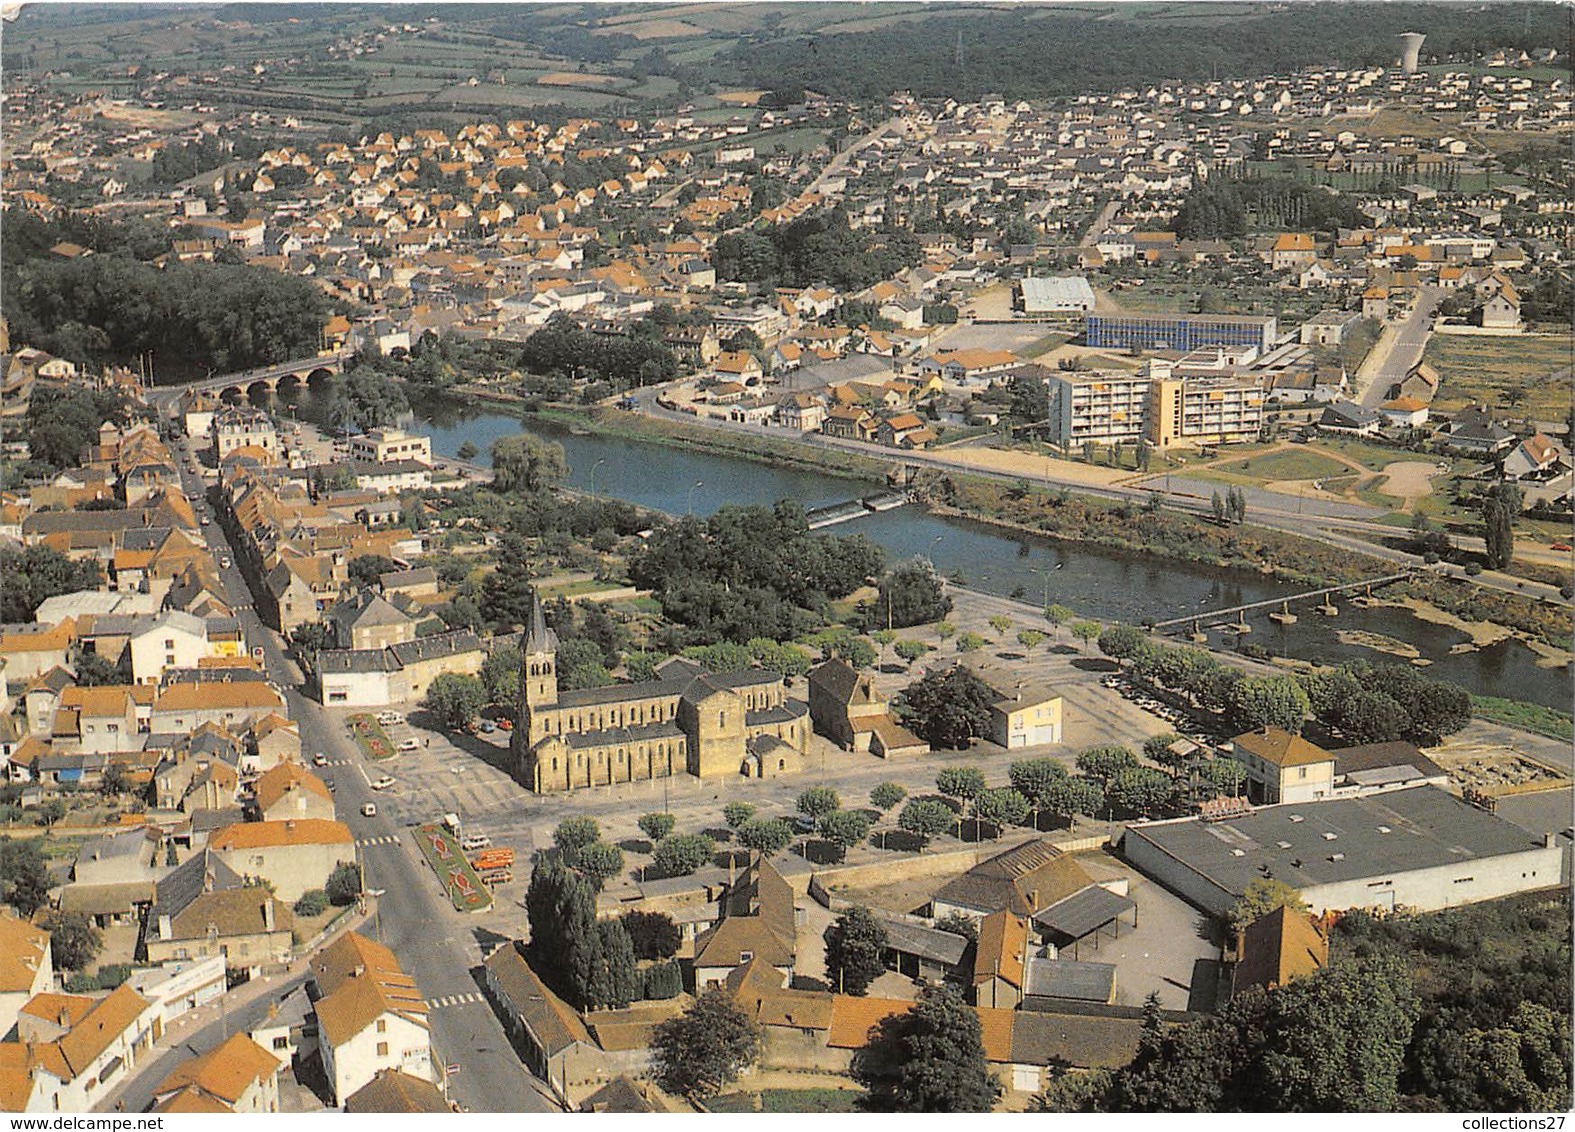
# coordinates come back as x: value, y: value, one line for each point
x: 789, y: 1100
x: 1508, y: 374
x: 1298, y: 464
x: 1547, y: 721
x: 460, y: 882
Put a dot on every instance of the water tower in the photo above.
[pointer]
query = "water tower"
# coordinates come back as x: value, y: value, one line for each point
x: 1410, y: 48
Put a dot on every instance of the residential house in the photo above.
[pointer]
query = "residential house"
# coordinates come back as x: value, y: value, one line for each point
x: 238, y: 1075
x: 904, y: 430
x: 739, y: 366
x: 1292, y: 250
x: 1282, y: 767
x: 288, y: 791
x: 1000, y: 960
x: 393, y: 1090
x: 759, y: 921
x: 294, y: 855
x: 1501, y: 308
x: 849, y: 422
x: 388, y: 445
x: 1474, y: 430
x: 368, y: 621
x: 546, y: 1031
x: 845, y: 707
x: 172, y: 639
x: 100, y: 720
x: 1349, y: 417
x: 204, y: 908
x: 1024, y: 714
x: 251, y: 429
x: 802, y: 412
x: 300, y: 588
x: 233, y: 704
x: 26, y: 967
x: 370, y: 1016
x: 1536, y: 457
x: 1403, y: 412
x: 89, y: 1046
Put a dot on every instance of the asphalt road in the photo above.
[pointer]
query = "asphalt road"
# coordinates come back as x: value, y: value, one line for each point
x: 1402, y: 346
x: 438, y: 946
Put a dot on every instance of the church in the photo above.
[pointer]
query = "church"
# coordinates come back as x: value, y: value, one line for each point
x: 686, y: 721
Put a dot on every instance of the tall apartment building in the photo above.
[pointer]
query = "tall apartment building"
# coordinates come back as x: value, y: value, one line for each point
x: 1153, y: 405
x: 1180, y: 331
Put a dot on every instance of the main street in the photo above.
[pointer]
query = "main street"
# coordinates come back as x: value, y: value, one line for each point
x: 437, y: 946
x: 1398, y: 349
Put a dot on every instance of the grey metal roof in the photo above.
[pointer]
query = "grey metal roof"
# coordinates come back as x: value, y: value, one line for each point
x: 1083, y: 912
x: 1064, y: 978
x: 925, y: 942
x: 1342, y: 839
x: 175, y: 892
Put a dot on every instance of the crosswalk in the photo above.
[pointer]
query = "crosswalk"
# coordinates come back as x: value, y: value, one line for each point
x: 454, y: 1000
x: 386, y: 839
x: 335, y: 762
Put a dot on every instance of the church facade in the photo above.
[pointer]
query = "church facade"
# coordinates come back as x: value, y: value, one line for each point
x: 686, y: 721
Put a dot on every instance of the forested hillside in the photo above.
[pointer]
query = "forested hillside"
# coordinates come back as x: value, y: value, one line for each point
x: 1036, y: 52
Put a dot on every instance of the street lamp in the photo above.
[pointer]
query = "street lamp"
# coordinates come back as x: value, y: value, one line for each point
x: 691, y: 505
x: 594, y: 466
x: 1045, y: 572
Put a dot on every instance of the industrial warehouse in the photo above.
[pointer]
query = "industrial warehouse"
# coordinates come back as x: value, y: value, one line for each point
x: 1420, y: 848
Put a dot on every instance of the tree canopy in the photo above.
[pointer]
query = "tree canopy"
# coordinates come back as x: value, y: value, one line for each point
x: 928, y: 1059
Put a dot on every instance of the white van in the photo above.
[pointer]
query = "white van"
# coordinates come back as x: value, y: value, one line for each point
x: 476, y: 841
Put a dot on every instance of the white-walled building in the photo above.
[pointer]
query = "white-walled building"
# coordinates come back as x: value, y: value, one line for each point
x: 370, y: 1016
x: 1419, y: 848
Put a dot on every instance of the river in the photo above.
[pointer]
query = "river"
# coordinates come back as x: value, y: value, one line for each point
x: 1106, y: 584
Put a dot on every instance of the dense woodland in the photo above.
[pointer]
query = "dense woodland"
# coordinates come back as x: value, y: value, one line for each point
x: 1462, y: 1010
x: 819, y: 248
x: 1223, y: 208
x: 750, y: 572
x: 116, y: 306
x: 1038, y: 53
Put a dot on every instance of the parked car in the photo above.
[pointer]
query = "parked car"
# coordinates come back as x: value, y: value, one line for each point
x: 487, y: 727
x: 331, y: 784
x: 382, y: 782
x: 410, y: 745
x: 388, y: 718
x: 319, y: 759
x: 224, y: 562
x: 369, y: 810
x: 475, y: 841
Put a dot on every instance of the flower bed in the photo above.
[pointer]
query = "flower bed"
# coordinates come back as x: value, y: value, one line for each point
x: 460, y: 882
x: 369, y: 735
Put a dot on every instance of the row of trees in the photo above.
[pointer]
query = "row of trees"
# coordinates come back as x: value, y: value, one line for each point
x: 1227, y: 208
x: 1361, y: 702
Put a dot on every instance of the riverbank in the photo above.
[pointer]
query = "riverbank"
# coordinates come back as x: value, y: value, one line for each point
x: 1179, y: 537
x: 1488, y: 616
x: 1062, y: 515
x: 760, y: 449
